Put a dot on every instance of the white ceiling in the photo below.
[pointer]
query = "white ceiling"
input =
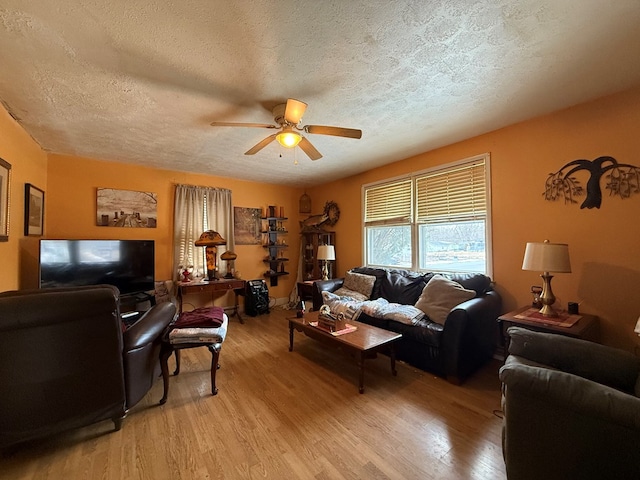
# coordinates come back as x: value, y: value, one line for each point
x: 141, y: 81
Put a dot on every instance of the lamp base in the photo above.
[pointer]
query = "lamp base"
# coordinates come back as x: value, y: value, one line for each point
x: 547, y: 297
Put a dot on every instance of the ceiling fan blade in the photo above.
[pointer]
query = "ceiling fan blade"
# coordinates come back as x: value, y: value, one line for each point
x: 234, y: 124
x: 309, y: 149
x: 335, y: 131
x: 294, y: 110
x: 261, y: 144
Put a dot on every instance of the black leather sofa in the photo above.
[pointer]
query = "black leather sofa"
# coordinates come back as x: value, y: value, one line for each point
x: 468, y: 338
x: 66, y: 360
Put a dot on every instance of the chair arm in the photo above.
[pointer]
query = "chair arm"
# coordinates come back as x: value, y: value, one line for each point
x: 565, y: 390
x: 609, y: 366
x: 149, y: 327
x: 324, y: 286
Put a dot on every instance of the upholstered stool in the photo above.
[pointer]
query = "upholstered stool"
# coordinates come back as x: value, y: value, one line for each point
x: 175, y: 339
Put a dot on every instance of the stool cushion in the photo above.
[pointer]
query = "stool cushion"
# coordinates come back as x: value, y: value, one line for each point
x: 200, y: 335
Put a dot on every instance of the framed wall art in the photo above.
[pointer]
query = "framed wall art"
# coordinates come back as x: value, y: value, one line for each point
x: 126, y: 208
x: 33, y: 210
x: 246, y: 225
x: 5, y: 187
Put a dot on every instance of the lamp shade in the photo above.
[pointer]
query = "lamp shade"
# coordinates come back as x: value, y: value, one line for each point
x: 326, y: 252
x: 547, y: 257
x: 210, y: 238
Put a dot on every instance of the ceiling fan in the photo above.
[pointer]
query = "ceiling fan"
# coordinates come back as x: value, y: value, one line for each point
x: 288, y: 117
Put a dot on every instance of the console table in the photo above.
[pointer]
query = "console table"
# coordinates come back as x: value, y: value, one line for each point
x: 213, y: 287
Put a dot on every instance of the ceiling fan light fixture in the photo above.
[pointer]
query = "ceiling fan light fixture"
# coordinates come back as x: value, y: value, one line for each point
x: 288, y: 138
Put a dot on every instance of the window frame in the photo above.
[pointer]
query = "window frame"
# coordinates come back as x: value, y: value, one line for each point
x: 413, y: 221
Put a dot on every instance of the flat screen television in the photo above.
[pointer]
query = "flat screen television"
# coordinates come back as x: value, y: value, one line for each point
x: 127, y: 264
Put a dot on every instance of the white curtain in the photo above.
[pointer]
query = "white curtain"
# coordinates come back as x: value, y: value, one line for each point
x: 197, y: 209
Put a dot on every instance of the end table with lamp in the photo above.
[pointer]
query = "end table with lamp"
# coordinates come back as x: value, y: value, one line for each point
x: 548, y: 258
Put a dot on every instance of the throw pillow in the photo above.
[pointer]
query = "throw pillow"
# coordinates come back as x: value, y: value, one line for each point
x: 440, y: 295
x: 359, y: 283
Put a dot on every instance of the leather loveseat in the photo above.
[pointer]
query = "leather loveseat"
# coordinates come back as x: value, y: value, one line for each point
x: 455, y: 350
x: 65, y: 361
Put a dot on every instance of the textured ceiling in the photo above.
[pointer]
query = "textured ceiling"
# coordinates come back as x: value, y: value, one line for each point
x: 141, y: 81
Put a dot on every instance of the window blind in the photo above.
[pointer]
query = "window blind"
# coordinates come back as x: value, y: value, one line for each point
x: 388, y: 203
x: 454, y: 195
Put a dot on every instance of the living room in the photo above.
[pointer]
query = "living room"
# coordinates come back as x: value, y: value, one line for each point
x: 605, y: 269
x: 601, y: 241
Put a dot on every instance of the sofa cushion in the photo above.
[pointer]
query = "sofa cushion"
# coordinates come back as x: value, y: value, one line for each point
x: 359, y: 282
x: 403, y: 286
x: 440, y: 295
x: 472, y: 281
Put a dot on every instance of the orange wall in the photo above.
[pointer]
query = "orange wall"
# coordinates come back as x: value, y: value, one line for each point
x: 71, y: 209
x: 603, y: 243
x: 28, y: 165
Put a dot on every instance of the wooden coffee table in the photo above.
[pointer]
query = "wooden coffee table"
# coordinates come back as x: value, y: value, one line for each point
x: 363, y: 343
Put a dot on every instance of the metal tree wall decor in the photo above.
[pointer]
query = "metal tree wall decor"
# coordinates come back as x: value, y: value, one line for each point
x: 621, y: 179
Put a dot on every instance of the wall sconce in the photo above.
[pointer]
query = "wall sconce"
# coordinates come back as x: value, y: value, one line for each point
x: 326, y: 253
x: 210, y: 240
x: 547, y: 257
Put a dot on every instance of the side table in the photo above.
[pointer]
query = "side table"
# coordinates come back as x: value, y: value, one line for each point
x: 586, y: 328
x: 305, y: 290
x: 212, y: 287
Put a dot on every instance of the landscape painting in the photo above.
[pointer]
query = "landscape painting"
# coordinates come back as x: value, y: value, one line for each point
x: 246, y: 224
x: 126, y: 208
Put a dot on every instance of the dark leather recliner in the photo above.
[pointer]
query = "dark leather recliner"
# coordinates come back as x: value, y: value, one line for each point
x: 65, y: 361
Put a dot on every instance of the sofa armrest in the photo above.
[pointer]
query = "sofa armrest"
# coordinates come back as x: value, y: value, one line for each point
x: 149, y: 327
x: 470, y: 335
x: 608, y: 366
x: 324, y: 286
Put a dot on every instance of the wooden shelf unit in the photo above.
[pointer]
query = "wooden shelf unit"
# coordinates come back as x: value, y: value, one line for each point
x: 275, y: 246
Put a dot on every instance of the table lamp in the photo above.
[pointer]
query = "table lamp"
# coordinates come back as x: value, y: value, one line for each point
x: 326, y: 253
x: 210, y: 240
x: 547, y: 258
x: 230, y: 258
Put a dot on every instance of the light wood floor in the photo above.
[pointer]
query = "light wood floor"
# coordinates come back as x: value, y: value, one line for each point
x: 285, y: 415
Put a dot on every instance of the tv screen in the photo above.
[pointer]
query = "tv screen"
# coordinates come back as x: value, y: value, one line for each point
x: 127, y: 264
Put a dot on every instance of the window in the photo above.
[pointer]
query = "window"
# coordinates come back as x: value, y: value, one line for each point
x: 196, y: 210
x: 434, y: 220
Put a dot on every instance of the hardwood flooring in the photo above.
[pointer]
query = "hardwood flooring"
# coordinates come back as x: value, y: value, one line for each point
x: 285, y: 415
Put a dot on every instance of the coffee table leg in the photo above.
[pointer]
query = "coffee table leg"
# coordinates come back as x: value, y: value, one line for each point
x: 290, y: 337
x: 361, y: 365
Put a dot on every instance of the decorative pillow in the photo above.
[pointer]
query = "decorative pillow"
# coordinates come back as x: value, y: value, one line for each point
x: 440, y: 295
x: 347, y: 294
x: 349, y: 308
x: 359, y: 283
